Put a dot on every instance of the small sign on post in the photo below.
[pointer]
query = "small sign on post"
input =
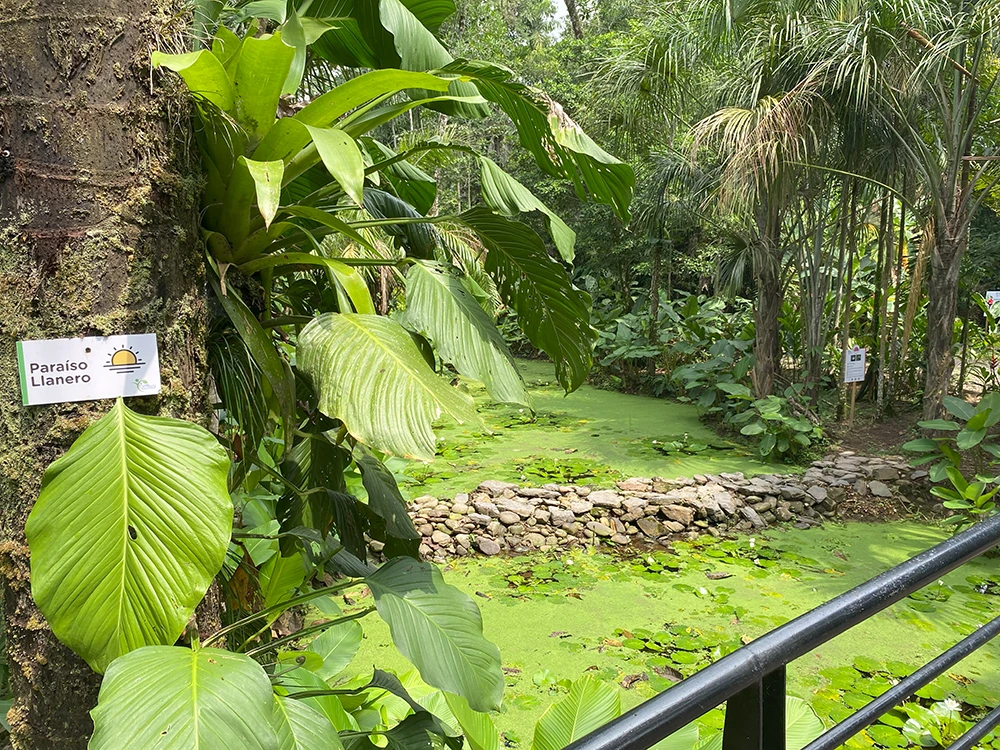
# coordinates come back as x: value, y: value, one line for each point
x: 854, y: 373
x: 993, y: 303
x: 86, y: 369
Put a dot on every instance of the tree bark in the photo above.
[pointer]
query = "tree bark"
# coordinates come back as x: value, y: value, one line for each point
x: 942, y: 298
x: 98, y: 236
x: 767, y: 341
x: 573, y: 11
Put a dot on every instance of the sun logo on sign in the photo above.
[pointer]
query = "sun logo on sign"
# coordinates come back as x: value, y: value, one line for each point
x: 124, y: 361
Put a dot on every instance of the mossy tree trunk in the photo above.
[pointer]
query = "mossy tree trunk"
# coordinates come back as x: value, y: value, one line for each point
x: 98, y: 236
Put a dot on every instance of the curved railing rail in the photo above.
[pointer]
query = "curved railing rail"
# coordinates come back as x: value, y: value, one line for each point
x: 751, y: 680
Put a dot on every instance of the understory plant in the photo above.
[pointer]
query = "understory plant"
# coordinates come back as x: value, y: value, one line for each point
x: 964, y: 453
x: 301, y: 216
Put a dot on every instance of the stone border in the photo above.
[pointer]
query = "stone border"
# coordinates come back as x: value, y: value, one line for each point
x: 501, y: 516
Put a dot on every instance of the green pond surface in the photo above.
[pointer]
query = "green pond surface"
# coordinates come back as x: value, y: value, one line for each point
x: 591, y: 436
x: 646, y: 619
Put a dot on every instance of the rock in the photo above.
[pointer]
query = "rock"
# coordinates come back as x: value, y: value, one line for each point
x: 753, y: 517
x: 534, y: 540
x: 452, y: 524
x: 861, y: 487
x: 496, y: 528
x: 765, y: 505
x: 439, y: 537
x: 835, y: 494
x: 918, y: 475
x: 636, y: 484
x: 376, y: 545
x: 425, y: 529
x: 516, y: 529
x: 885, y: 474
x: 600, y: 529
x: 678, y: 513
x: 684, y: 496
x: 879, y: 489
x: 634, y: 504
x: 486, y: 508
x: 651, y: 527
x: 524, y: 510
x: 817, y: 493
x: 620, y: 539
x: 561, y: 517
x: 460, y: 508
x: 542, y: 515
x: 488, y: 546
x: 583, y: 491
x: 479, y: 518
x: 507, y: 518
x: 605, y: 499
x: 791, y: 492
x: 581, y: 507
x: 543, y: 493
x: 783, y: 512
x: 796, y: 507
x: 495, y: 487
x: 673, y: 527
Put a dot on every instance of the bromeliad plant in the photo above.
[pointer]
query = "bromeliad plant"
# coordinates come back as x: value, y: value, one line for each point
x: 315, y: 390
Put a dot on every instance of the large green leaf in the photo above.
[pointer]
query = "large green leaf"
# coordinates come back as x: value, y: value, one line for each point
x: 802, y: 725
x: 260, y: 74
x: 440, y: 308
x: 509, y: 197
x: 266, y: 177
x: 349, y: 279
x: 553, y: 313
x: 440, y: 630
x: 558, y: 144
x: 203, y: 74
x: 171, y: 698
x: 479, y: 730
x: 384, y: 497
x: 131, y: 525
x: 369, y: 374
x: 337, y: 645
x: 342, y: 159
x: 409, y: 183
x: 302, y: 727
x: 589, y: 705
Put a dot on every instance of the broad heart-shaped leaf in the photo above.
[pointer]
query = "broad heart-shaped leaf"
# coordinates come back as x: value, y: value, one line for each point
x: 553, y: 313
x: 337, y: 645
x: 384, y: 497
x: 441, y: 309
x: 171, y: 698
x: 302, y: 727
x: 509, y: 197
x: 370, y: 375
x: 131, y: 525
x: 802, y: 725
x: 589, y: 705
x: 440, y: 630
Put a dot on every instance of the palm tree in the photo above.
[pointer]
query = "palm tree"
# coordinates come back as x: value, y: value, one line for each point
x: 99, y: 237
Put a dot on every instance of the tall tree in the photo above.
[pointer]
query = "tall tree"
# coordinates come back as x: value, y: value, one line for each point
x: 98, y: 236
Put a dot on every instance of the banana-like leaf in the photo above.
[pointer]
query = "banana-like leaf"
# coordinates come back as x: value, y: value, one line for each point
x: 369, y: 374
x: 558, y: 144
x: 553, y: 313
x: 337, y: 645
x: 260, y: 75
x: 420, y: 238
x: 252, y: 182
x: 302, y: 727
x: 440, y: 308
x: 384, y: 497
x: 267, y: 185
x: 685, y: 738
x: 301, y: 681
x: 802, y: 725
x: 479, y: 730
x: 279, y: 578
x: 325, y: 110
x: 342, y: 159
x: 440, y: 630
x: 171, y: 698
x: 509, y: 197
x: 589, y: 705
x: 203, y: 74
x: 151, y: 518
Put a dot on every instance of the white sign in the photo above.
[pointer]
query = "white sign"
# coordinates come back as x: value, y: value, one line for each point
x: 854, y: 365
x: 86, y: 369
x: 993, y: 303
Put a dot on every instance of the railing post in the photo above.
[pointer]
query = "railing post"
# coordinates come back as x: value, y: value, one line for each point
x: 755, y: 716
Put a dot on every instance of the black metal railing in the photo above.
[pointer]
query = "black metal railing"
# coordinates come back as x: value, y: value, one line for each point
x: 751, y: 680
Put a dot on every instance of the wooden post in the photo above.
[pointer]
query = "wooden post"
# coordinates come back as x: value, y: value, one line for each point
x: 854, y: 395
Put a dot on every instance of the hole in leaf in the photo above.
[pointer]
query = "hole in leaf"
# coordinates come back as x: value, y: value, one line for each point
x: 132, y: 532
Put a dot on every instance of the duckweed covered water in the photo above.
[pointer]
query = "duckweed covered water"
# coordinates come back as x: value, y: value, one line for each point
x: 647, y: 620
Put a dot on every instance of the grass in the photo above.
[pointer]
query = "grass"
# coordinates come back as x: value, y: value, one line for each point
x: 636, y: 620
x: 590, y: 436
